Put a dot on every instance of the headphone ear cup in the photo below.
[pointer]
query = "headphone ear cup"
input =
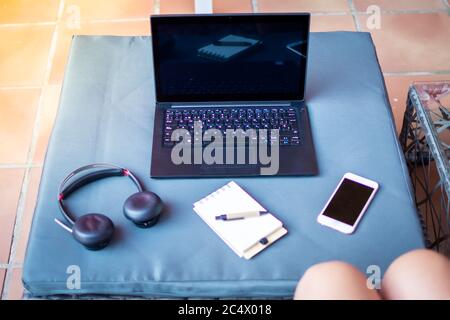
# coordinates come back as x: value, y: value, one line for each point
x: 143, y: 208
x: 93, y: 230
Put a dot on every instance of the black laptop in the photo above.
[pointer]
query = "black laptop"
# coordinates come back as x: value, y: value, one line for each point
x: 230, y: 96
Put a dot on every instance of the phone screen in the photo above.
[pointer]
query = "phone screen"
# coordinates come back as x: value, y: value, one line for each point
x: 348, y: 201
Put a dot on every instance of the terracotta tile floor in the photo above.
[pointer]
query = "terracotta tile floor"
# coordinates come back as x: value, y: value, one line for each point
x: 413, y: 43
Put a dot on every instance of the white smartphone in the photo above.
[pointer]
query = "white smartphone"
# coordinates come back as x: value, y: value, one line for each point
x: 348, y: 203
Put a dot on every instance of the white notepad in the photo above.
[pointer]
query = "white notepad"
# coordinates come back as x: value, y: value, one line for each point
x: 242, y: 236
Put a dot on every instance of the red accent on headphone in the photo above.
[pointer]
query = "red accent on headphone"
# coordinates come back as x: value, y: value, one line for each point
x: 60, y: 197
x: 126, y: 172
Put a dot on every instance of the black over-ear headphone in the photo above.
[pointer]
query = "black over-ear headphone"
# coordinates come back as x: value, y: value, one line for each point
x: 94, y: 230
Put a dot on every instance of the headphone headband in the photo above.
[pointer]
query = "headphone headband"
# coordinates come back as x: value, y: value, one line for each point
x: 110, y: 171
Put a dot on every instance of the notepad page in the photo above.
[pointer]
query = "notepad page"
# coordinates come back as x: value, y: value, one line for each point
x: 240, y: 235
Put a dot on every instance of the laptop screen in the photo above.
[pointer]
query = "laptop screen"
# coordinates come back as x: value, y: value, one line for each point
x: 244, y: 57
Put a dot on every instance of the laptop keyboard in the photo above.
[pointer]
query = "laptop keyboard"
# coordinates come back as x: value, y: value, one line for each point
x: 283, y: 118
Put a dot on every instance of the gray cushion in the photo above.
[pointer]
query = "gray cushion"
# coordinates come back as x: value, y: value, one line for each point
x: 106, y: 115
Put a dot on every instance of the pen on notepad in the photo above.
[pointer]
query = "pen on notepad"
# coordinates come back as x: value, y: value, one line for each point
x: 240, y: 215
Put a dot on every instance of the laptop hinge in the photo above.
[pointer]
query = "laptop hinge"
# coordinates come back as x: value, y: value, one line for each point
x: 231, y: 104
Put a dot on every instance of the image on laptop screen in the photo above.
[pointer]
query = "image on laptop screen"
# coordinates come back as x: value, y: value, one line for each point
x: 230, y: 58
